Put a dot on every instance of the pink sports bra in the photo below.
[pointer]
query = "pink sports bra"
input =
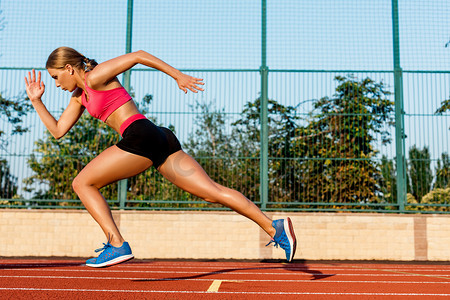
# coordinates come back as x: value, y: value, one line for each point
x: 102, y: 104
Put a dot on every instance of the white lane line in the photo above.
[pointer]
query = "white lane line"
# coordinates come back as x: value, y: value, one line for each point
x: 288, y: 267
x: 256, y: 267
x: 235, y: 293
x: 225, y: 272
x: 219, y: 281
x: 433, y: 275
x: 292, y: 269
x: 282, y: 266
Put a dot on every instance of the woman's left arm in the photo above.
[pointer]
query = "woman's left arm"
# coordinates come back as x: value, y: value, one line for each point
x: 108, y: 70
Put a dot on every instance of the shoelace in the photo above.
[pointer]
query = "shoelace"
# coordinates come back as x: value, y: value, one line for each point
x: 273, y: 241
x: 105, y: 246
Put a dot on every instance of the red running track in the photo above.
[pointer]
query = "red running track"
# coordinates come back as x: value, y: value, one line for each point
x: 70, y: 279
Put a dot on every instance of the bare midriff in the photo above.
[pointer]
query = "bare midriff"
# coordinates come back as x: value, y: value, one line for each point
x: 121, y: 114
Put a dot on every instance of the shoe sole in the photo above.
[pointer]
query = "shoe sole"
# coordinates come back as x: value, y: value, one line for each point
x: 289, y: 229
x: 112, y: 262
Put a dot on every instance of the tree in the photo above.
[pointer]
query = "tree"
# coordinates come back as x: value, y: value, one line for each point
x: 328, y: 159
x: 209, y: 138
x: 442, y: 172
x: 445, y: 105
x: 12, y: 112
x: 233, y: 159
x: 57, y: 162
x: 284, y: 176
x: 420, y: 173
x: 389, y: 180
x: 436, y: 200
x: 219, y: 152
x: 8, y: 182
x: 337, y: 144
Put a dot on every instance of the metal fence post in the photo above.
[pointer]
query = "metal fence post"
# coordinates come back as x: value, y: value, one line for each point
x: 122, y: 187
x: 264, y: 155
x: 399, y: 112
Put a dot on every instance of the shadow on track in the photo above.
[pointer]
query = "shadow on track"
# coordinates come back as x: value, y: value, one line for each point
x: 298, y: 266
x: 31, y: 265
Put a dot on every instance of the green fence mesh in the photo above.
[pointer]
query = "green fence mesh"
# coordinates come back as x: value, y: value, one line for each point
x: 309, y: 105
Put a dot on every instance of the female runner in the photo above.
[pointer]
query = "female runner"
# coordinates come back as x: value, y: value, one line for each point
x: 95, y: 87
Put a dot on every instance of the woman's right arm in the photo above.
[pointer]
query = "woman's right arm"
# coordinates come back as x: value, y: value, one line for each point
x: 108, y: 70
x: 58, y: 128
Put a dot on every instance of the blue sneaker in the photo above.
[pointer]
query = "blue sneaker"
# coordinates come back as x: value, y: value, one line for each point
x: 110, y: 256
x: 284, y: 237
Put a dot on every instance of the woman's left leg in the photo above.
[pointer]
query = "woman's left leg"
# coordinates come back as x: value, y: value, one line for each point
x: 186, y: 173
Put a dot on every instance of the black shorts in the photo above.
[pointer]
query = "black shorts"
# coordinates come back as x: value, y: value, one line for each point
x: 144, y: 138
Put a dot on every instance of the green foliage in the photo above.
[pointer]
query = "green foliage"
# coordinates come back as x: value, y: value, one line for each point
x: 8, y: 182
x: 328, y: 160
x: 57, y: 162
x: 437, y: 196
x: 337, y: 143
x: 432, y: 201
x: 329, y: 156
x: 282, y: 126
x: 443, y: 172
x: 445, y: 105
x: 388, y: 181
x: 224, y: 157
x: 420, y: 173
x: 12, y: 112
x: 209, y: 138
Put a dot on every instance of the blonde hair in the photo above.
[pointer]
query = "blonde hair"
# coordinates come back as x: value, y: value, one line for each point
x: 62, y: 56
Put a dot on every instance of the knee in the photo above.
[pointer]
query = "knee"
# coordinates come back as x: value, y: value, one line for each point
x: 76, y: 184
x: 79, y: 183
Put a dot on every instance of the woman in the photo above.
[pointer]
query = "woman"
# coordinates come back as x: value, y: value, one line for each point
x: 96, y: 88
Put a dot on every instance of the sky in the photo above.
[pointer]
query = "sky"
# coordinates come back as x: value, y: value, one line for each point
x: 321, y: 34
x: 340, y: 36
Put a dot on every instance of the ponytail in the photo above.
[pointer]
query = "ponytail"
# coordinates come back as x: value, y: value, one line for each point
x: 62, y: 56
x: 89, y: 64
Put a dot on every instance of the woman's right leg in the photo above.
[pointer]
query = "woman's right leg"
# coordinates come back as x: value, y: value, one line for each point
x: 111, y: 165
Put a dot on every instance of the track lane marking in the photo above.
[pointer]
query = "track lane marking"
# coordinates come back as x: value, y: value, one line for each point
x: 215, y: 285
x: 217, y: 282
x: 236, y: 293
x: 389, y: 274
x: 407, y: 273
x: 206, y: 273
x: 255, y: 266
x: 291, y: 269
